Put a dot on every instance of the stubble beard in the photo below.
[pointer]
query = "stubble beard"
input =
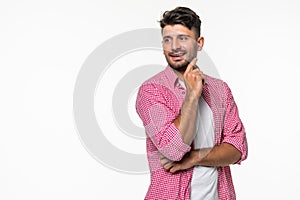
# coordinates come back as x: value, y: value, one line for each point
x: 179, y: 68
x: 182, y: 67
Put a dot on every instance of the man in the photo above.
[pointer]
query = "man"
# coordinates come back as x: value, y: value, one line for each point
x: 191, y: 120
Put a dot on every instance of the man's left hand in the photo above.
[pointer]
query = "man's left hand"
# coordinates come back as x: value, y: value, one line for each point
x: 187, y: 162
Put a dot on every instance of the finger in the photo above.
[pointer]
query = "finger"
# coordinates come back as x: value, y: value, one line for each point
x: 191, y: 65
x: 196, y: 70
x: 199, y: 74
x: 175, y: 168
x: 164, y: 161
x: 203, y: 78
x: 161, y: 156
x: 169, y: 166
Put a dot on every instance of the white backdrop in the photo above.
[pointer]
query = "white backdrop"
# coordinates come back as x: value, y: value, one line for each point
x: 43, y: 45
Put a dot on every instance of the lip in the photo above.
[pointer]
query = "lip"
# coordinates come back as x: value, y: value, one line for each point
x: 177, y: 57
x: 177, y: 54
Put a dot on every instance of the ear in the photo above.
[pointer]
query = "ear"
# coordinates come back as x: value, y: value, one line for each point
x: 200, y: 43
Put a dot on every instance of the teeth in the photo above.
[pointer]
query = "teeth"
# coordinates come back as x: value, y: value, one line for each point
x: 177, y: 54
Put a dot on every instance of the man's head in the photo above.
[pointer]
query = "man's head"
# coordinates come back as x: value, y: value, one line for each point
x: 181, y: 37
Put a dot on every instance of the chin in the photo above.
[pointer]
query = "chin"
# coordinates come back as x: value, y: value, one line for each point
x: 179, y: 65
x: 180, y: 68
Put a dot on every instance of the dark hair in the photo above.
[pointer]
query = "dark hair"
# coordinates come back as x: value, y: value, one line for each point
x: 183, y: 16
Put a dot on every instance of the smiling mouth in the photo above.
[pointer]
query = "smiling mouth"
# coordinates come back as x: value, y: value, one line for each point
x: 177, y: 54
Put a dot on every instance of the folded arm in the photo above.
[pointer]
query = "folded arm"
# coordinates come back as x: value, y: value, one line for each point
x: 233, y: 148
x: 157, y: 107
x: 219, y: 156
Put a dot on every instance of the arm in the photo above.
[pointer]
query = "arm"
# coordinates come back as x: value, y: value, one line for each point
x: 186, y: 120
x: 171, y: 134
x: 156, y: 107
x: 218, y: 156
x: 233, y: 149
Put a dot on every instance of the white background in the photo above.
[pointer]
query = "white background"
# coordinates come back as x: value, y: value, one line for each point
x: 43, y: 44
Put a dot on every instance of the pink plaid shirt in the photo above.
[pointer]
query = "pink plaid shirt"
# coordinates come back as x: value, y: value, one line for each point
x: 158, y: 103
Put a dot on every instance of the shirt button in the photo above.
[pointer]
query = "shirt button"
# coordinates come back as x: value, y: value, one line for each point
x: 183, y: 92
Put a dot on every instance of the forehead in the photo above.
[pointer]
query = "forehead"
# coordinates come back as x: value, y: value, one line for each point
x: 177, y: 29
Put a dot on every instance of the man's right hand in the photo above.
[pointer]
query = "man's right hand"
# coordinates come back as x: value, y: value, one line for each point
x: 186, y: 119
x: 193, y: 79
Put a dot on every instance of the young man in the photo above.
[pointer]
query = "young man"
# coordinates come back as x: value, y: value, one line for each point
x: 191, y: 120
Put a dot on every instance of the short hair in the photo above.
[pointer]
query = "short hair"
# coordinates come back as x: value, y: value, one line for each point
x: 184, y: 16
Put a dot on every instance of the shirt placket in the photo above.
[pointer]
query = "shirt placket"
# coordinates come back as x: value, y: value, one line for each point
x: 181, y: 92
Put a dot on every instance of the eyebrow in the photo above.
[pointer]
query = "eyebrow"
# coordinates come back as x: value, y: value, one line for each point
x: 179, y: 35
x: 167, y: 36
x: 183, y: 35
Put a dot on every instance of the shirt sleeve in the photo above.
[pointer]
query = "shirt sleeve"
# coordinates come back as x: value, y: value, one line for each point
x: 156, y: 107
x: 234, y: 131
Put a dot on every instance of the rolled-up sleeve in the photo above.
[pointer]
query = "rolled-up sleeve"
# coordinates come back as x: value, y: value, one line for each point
x: 157, y: 109
x: 234, y: 131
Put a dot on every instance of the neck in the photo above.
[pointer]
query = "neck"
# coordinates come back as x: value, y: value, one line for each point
x: 179, y: 74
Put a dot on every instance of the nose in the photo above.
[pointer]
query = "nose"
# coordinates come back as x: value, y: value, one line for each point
x: 175, y: 44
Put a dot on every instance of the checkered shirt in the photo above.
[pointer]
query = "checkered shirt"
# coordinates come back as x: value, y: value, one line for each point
x: 158, y: 103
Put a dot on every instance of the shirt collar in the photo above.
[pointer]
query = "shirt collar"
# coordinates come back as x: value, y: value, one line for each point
x: 172, y: 76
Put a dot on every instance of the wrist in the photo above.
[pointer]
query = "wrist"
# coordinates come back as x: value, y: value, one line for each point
x: 191, y: 97
x: 196, y: 157
x: 190, y: 102
x: 200, y: 155
x: 203, y: 155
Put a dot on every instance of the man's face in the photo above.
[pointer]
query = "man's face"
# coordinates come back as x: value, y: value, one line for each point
x: 180, y: 46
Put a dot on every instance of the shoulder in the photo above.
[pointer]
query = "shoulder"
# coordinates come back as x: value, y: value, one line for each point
x: 159, y: 78
x: 213, y: 80
x: 218, y: 89
x: 159, y: 81
x: 216, y: 83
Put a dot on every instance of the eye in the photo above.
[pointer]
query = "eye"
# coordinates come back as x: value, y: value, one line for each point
x: 166, y: 40
x: 183, y: 37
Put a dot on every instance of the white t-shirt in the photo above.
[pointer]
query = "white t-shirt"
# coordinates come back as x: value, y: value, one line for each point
x: 204, y: 184
x: 205, y: 179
